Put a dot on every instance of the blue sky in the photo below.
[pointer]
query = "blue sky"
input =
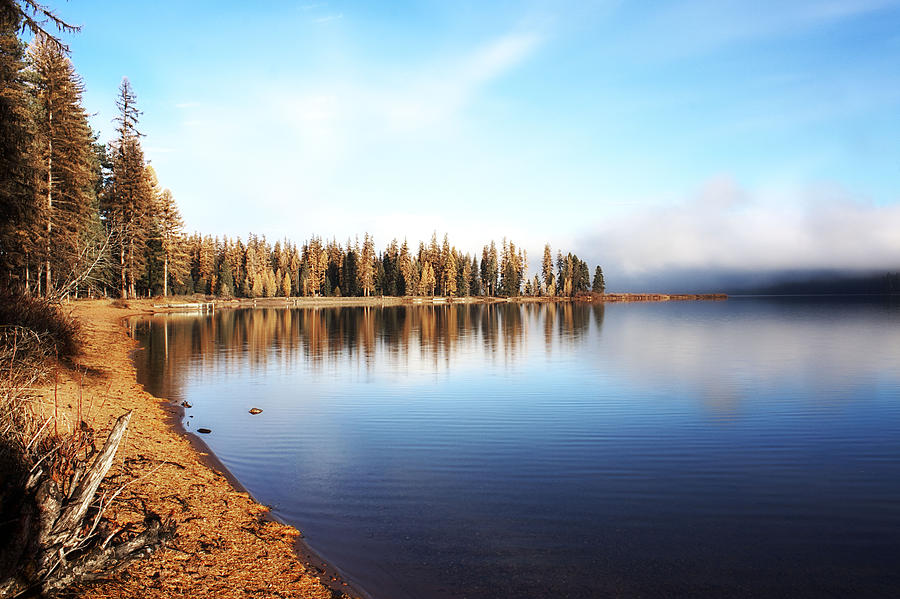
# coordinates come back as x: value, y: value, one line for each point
x: 648, y: 137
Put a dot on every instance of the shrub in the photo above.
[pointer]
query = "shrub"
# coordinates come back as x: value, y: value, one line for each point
x: 57, y: 332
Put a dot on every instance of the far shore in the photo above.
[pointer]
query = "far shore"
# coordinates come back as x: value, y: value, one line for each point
x: 194, y: 302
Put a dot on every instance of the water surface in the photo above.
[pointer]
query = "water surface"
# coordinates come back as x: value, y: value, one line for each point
x: 744, y: 448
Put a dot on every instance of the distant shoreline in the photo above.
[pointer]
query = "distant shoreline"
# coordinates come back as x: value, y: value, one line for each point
x: 200, y: 303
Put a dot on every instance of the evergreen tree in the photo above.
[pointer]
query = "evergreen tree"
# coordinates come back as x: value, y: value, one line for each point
x: 286, y: 284
x: 17, y: 211
x: 449, y: 274
x: 582, y: 276
x: 408, y: 272
x: 427, y: 280
x: 489, y: 270
x: 305, y: 288
x: 335, y: 256
x: 547, y: 271
x: 270, y: 286
x: 350, y: 270
x: 63, y: 146
x: 599, y: 285
x: 225, y: 274
x: 390, y: 270
x: 474, y: 279
x: 463, y: 275
x: 367, y: 267
x: 126, y: 202
x: 170, y: 227
x: 433, y: 256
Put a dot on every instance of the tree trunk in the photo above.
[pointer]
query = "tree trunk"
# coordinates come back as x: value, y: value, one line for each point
x: 124, y: 293
x: 49, y: 197
x: 57, y: 542
x: 131, y: 290
x: 166, y: 274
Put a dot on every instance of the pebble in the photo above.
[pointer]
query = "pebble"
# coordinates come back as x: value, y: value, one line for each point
x: 255, y: 411
x: 203, y: 430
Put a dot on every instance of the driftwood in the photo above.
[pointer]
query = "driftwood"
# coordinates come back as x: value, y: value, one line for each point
x: 61, y: 538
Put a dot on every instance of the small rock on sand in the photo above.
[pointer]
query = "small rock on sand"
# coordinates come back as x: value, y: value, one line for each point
x: 255, y: 411
x: 203, y: 430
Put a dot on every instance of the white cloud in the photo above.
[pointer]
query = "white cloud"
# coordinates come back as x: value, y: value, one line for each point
x: 726, y: 228
x: 442, y: 91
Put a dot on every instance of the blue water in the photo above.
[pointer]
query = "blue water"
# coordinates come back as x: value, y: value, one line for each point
x: 746, y: 448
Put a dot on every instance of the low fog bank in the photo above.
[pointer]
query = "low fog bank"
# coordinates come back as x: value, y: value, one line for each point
x: 725, y: 238
x: 760, y: 282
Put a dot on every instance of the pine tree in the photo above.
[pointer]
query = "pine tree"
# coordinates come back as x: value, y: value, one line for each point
x: 170, y: 227
x: 295, y: 266
x: 270, y: 286
x: 449, y: 274
x: 64, y: 161
x: 489, y: 270
x: 599, y: 285
x: 463, y: 276
x: 17, y: 210
x: 407, y: 270
x: 225, y: 271
x: 286, y: 284
x: 390, y: 270
x: 547, y: 271
x: 433, y: 255
x: 427, y: 280
x: 474, y: 279
x: 367, y: 267
x: 126, y: 201
x: 350, y: 273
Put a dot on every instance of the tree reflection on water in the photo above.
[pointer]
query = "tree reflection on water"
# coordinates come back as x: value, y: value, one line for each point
x: 258, y: 337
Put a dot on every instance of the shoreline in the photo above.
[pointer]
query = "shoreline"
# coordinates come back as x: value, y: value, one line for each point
x: 227, y: 544
x: 203, y: 303
x: 328, y: 574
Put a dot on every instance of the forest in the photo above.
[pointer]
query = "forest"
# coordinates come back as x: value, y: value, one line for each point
x: 82, y: 217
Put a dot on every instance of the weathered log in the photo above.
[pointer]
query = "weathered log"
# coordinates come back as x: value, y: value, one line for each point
x: 57, y: 541
x: 73, y: 514
x: 104, y: 561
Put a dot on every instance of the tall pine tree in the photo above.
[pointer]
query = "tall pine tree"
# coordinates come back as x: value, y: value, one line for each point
x: 127, y: 199
x: 63, y: 161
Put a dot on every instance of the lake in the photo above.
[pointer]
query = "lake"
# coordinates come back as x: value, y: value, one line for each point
x: 741, y: 448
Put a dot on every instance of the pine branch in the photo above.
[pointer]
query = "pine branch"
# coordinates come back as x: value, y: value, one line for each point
x: 39, y: 16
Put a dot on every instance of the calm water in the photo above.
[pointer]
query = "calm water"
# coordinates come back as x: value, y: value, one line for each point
x: 748, y: 448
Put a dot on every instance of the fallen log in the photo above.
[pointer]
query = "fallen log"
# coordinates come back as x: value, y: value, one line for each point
x: 61, y: 538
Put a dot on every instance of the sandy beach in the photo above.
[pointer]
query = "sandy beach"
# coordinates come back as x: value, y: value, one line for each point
x: 225, y: 546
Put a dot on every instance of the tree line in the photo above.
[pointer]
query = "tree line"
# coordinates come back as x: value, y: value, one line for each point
x: 256, y: 268
x: 83, y: 217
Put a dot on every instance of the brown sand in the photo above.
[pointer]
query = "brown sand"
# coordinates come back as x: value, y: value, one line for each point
x: 225, y: 546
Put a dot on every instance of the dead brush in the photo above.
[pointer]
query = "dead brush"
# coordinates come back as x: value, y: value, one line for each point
x: 50, y: 475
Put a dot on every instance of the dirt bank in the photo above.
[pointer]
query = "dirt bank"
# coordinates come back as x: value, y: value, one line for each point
x: 225, y: 547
